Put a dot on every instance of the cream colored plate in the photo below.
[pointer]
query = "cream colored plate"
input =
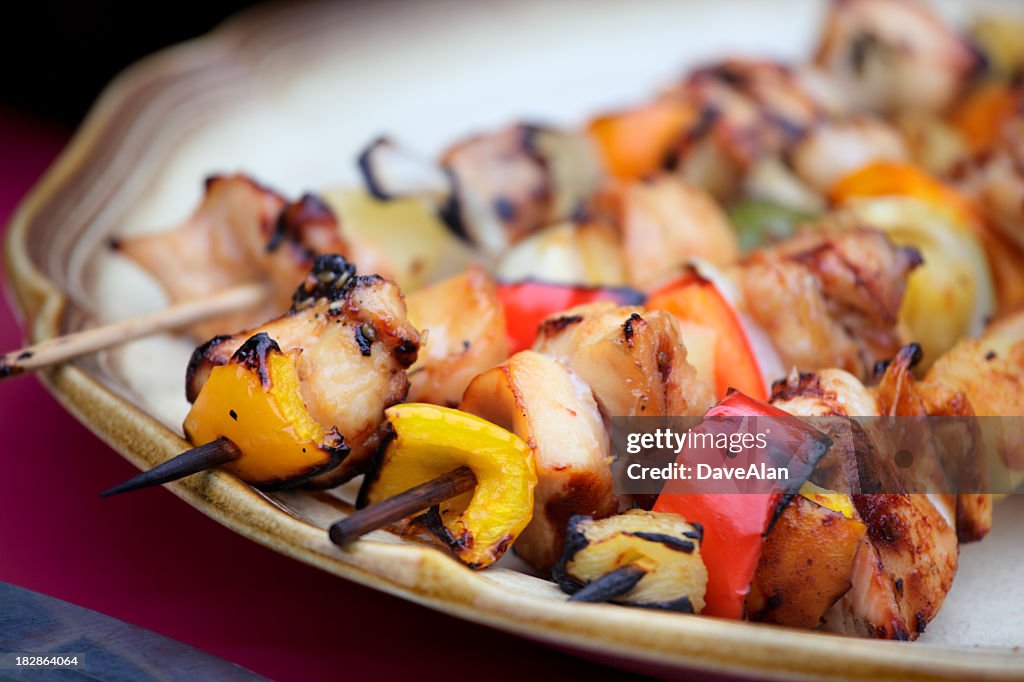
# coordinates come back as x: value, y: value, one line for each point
x: 290, y: 96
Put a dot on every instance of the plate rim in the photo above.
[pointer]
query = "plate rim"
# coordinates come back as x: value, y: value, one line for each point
x: 410, y: 571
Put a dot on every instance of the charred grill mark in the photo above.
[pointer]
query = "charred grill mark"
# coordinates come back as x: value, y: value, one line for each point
x: 506, y: 209
x: 698, y: 535
x: 575, y: 541
x: 24, y: 355
x: 332, y: 277
x: 296, y: 217
x: 365, y: 336
x: 611, y: 585
x: 862, y: 45
x: 450, y: 212
x: 921, y: 621
x: 708, y: 118
x: 808, y: 384
x: 366, y: 169
x: 335, y: 455
x: 9, y: 370
x: 627, y: 327
x: 198, y: 359
x: 669, y: 541
x: 253, y: 355
x: 681, y: 605
x: 556, y: 325
x: 583, y: 492
x: 374, y: 465
x: 664, y: 367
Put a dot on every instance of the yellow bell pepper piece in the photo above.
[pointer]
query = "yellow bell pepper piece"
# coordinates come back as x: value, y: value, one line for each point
x: 430, y: 441
x: 255, y: 402
x: 823, y: 497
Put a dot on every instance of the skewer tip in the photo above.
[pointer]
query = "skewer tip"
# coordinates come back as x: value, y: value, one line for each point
x: 208, y: 456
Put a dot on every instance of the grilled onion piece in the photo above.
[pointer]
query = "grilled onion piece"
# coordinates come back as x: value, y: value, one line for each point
x: 663, y: 551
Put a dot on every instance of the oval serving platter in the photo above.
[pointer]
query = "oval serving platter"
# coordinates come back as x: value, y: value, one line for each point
x: 290, y: 95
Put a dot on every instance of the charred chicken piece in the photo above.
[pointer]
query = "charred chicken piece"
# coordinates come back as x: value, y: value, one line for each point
x: 751, y: 110
x: 989, y: 372
x: 833, y: 148
x: 633, y: 360
x: 903, y: 569
x: 894, y: 56
x: 242, y: 232
x: 463, y: 325
x: 663, y: 221
x: 355, y: 345
x: 994, y: 178
x: 829, y: 298
x: 554, y: 412
x: 638, y: 558
x: 501, y: 186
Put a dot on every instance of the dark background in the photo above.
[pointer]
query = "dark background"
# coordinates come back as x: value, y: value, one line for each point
x: 55, y: 57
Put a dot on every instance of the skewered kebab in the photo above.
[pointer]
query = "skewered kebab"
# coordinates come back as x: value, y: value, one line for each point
x: 344, y: 334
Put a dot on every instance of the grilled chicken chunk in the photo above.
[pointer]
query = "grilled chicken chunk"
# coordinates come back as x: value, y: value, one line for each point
x: 894, y: 56
x: 904, y: 569
x: 663, y: 221
x: 355, y: 346
x: 994, y: 179
x: 835, y: 147
x: 242, y: 232
x: 989, y: 372
x: 553, y: 410
x: 751, y: 109
x: 829, y: 298
x: 463, y: 327
x: 906, y: 563
x: 633, y: 360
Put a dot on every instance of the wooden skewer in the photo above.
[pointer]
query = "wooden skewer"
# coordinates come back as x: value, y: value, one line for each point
x: 423, y: 496
x: 64, y: 348
x: 213, y: 454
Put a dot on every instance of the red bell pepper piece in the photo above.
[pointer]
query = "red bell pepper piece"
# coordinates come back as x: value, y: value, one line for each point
x: 695, y: 299
x: 530, y: 302
x: 735, y: 524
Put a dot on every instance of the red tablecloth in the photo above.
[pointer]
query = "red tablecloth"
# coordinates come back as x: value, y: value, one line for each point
x: 150, y: 559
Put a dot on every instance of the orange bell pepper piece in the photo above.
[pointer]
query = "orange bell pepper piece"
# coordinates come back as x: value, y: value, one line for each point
x: 636, y: 142
x: 980, y: 117
x: 893, y: 178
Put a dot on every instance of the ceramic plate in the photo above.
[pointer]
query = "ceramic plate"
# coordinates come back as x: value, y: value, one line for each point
x: 290, y: 95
